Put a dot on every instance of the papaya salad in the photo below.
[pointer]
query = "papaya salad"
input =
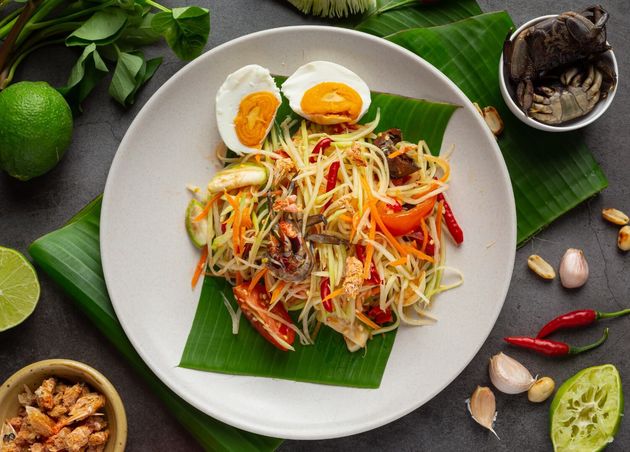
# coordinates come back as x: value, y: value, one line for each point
x: 321, y: 216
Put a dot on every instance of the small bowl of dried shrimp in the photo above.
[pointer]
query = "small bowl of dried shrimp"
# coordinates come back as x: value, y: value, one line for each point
x: 61, y: 405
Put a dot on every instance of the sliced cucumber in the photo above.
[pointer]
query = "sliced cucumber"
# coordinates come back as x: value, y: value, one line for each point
x: 238, y: 175
x: 197, y: 230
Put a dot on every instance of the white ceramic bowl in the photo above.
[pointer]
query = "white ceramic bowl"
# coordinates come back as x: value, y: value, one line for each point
x: 508, y: 92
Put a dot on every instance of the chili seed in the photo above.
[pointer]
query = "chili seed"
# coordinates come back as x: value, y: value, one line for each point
x: 541, y: 267
x: 615, y: 216
x: 623, y: 239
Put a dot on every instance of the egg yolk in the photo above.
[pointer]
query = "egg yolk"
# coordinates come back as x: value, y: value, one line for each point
x: 331, y: 103
x: 255, y: 113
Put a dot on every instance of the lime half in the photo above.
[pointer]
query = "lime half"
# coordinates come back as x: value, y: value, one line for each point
x: 19, y: 288
x: 587, y: 409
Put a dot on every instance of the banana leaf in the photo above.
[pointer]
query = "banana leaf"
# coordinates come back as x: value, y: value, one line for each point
x: 440, y: 13
x: 551, y: 173
x: 211, y: 346
x: 71, y: 257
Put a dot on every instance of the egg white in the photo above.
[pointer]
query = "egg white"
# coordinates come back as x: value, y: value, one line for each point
x: 315, y: 72
x: 247, y: 80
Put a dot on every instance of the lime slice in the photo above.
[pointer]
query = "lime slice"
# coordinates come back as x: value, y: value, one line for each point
x: 587, y: 409
x: 197, y: 230
x: 19, y: 288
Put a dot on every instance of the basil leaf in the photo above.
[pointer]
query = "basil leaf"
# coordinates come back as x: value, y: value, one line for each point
x: 84, y: 76
x: 104, y: 27
x: 186, y: 30
x: 132, y: 71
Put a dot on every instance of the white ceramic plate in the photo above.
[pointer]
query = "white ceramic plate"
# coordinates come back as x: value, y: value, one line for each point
x: 148, y: 260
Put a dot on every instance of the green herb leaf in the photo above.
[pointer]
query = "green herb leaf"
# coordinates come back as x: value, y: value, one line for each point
x: 138, y: 33
x: 132, y: 71
x: 104, y: 27
x: 84, y: 76
x: 186, y: 30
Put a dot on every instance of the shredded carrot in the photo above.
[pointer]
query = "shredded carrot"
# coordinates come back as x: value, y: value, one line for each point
x: 256, y: 278
x: 365, y: 319
x: 425, y: 235
x: 204, y: 213
x: 257, y: 157
x: 200, y: 266
x: 267, y: 282
x: 355, y: 223
x: 246, y: 218
x: 373, y: 291
x: 236, y: 236
x: 239, y: 278
x: 400, y: 151
x: 379, y: 221
x: 276, y: 293
x: 369, y: 249
x: 346, y: 218
x: 397, y: 262
x: 333, y: 294
x: 419, y: 254
x: 438, y: 220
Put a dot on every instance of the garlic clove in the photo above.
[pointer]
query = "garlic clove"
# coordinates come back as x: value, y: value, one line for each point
x: 573, y: 269
x: 482, y: 407
x: 541, y: 390
x: 615, y: 216
x: 508, y: 375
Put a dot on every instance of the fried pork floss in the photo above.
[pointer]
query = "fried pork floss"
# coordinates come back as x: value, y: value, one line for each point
x: 56, y: 417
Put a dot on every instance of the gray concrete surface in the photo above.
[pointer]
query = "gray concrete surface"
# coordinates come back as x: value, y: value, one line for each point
x: 57, y: 329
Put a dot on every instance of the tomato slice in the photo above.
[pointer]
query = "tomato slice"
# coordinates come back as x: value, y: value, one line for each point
x: 259, y: 318
x: 405, y: 221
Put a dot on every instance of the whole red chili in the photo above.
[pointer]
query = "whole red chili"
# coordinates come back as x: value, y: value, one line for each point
x: 331, y: 181
x: 320, y: 147
x: 375, y: 278
x: 578, y: 319
x: 324, y: 291
x: 451, y: 223
x: 553, y: 348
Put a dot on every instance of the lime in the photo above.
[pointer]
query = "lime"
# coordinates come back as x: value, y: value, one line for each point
x: 19, y: 288
x: 35, y: 129
x: 587, y: 409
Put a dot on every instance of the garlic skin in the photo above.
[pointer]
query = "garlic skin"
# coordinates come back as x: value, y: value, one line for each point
x: 508, y: 375
x: 482, y: 407
x: 573, y: 269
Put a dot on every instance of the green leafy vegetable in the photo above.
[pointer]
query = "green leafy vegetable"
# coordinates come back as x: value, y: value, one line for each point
x: 131, y: 72
x: 211, y: 344
x: 71, y: 257
x: 185, y: 30
x: 116, y: 28
x: 104, y: 27
x: 85, y: 75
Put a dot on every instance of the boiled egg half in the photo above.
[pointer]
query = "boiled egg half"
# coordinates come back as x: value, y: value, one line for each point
x: 327, y: 93
x: 246, y: 106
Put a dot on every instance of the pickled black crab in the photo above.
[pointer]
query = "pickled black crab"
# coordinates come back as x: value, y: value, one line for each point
x: 557, y: 67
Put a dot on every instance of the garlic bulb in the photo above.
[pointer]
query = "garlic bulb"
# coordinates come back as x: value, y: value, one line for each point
x: 573, y: 269
x: 508, y: 375
x: 482, y: 407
